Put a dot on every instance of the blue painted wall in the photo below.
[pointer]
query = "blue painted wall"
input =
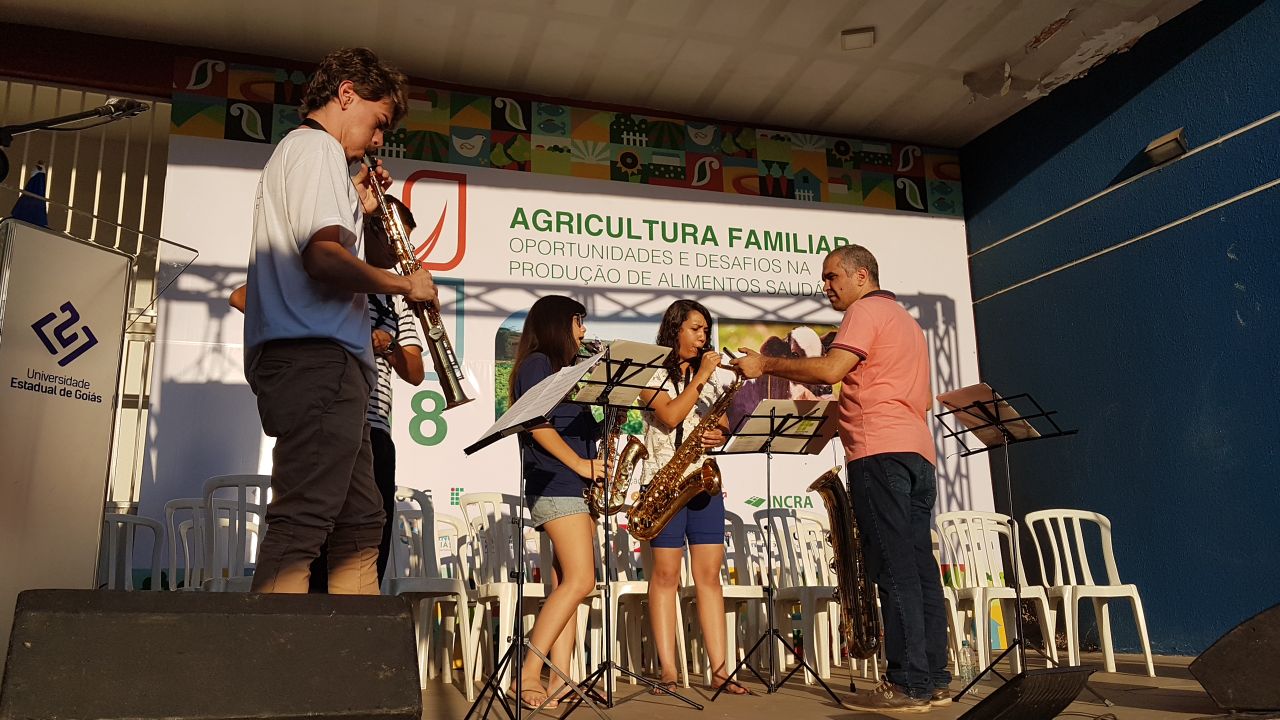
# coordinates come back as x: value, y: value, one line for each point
x: 1162, y: 347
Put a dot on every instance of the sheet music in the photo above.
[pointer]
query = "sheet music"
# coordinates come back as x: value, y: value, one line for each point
x: 645, y: 361
x: 800, y: 436
x: 541, y: 399
x: 982, y: 393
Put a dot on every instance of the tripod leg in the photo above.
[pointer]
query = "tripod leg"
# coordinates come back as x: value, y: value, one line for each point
x: 802, y: 664
x: 746, y: 662
x: 492, y: 688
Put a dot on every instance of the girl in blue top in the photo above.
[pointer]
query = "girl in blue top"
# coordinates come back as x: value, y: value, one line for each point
x: 559, y: 460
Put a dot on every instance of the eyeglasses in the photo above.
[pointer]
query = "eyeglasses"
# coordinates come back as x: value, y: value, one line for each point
x: 580, y: 318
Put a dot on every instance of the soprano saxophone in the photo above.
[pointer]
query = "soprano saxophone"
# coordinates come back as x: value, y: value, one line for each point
x: 454, y: 384
x: 681, y: 479
x: 859, y: 619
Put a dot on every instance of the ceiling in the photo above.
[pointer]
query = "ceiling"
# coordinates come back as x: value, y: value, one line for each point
x: 769, y: 63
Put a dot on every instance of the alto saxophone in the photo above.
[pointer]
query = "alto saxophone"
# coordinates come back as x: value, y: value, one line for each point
x: 859, y: 618
x: 622, y: 467
x: 453, y: 381
x: 680, y: 481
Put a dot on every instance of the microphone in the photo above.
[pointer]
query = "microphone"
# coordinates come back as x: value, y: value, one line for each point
x: 120, y: 108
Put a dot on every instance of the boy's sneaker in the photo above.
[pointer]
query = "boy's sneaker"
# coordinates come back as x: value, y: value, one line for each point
x: 886, y: 697
x: 941, y: 697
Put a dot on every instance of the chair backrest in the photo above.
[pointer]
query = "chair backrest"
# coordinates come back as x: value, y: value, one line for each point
x: 1064, y: 552
x: 118, y: 531
x: 741, y: 566
x: 488, y: 517
x: 453, y: 546
x: 235, y: 520
x: 184, y: 529
x: 626, y: 556
x: 794, y: 547
x: 975, y: 539
x: 424, y: 526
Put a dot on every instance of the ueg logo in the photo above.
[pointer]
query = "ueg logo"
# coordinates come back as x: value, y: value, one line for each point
x: 65, y: 341
x: 783, y: 501
x: 439, y: 204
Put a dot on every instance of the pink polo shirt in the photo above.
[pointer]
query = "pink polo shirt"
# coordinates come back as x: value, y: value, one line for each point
x: 885, y: 398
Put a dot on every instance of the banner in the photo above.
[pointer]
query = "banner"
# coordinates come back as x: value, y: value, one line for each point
x: 63, y: 303
x: 496, y: 242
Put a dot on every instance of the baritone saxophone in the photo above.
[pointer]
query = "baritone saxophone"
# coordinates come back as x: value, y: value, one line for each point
x: 859, y: 618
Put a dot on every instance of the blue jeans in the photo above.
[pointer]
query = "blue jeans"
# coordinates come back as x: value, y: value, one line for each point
x: 893, y: 496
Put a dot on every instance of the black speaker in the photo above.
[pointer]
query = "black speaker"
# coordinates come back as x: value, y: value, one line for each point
x: 1240, y: 670
x: 1032, y: 695
x: 224, y: 656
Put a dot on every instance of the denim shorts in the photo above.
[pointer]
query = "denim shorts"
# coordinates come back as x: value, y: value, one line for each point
x: 701, y: 522
x: 543, y: 510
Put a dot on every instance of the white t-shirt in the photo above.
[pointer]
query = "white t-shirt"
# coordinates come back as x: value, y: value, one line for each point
x: 305, y: 186
x: 661, y: 443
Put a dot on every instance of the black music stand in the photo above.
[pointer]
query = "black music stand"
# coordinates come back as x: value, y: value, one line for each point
x: 802, y: 427
x: 988, y: 417
x: 529, y: 412
x: 616, y: 388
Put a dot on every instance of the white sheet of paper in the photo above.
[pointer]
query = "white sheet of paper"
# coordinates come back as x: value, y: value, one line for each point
x: 798, y: 436
x: 542, y: 398
x: 647, y: 359
x: 982, y: 393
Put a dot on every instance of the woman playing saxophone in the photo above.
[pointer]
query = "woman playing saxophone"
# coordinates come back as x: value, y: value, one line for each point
x: 686, y: 389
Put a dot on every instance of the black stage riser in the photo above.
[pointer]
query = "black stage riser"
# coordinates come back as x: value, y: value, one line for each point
x: 1241, y: 671
x: 215, y: 656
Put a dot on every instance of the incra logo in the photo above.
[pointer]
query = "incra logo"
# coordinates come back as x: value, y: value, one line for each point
x: 65, y: 341
x: 782, y: 501
x: 439, y: 204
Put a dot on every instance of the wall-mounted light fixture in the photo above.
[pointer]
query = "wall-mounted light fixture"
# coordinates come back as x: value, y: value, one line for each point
x: 857, y: 38
x: 1166, y: 147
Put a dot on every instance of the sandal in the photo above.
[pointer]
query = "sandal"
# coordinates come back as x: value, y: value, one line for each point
x: 538, y: 703
x: 668, y: 685
x: 732, y: 687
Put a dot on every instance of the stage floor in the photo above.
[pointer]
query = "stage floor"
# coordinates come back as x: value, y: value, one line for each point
x: 1172, y: 694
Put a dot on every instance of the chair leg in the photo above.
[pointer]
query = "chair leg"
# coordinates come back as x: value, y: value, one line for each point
x: 1047, y: 620
x: 1103, y: 613
x: 1140, y: 619
x: 981, y: 621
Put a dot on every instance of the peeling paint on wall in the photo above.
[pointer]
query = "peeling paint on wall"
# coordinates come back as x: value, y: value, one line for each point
x: 1091, y: 52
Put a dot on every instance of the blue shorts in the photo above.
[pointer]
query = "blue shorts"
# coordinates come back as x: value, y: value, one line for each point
x: 701, y: 521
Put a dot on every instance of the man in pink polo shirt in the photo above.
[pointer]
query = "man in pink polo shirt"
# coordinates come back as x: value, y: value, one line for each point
x: 880, y: 356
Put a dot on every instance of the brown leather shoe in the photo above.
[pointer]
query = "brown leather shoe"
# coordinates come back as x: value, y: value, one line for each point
x: 941, y: 697
x: 886, y: 697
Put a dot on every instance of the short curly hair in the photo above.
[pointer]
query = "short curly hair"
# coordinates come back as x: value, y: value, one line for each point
x: 373, y: 80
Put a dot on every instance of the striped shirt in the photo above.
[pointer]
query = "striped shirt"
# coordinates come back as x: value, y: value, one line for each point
x: 389, y: 314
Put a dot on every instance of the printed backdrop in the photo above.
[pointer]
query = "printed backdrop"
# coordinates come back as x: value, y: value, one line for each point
x: 498, y: 240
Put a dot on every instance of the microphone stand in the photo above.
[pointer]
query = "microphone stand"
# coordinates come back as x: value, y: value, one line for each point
x: 126, y: 108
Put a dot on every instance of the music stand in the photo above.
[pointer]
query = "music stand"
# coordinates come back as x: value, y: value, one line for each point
x: 615, y: 385
x: 789, y: 427
x: 528, y: 412
x: 988, y: 417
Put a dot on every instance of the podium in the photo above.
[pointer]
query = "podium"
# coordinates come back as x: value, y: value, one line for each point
x: 65, y: 304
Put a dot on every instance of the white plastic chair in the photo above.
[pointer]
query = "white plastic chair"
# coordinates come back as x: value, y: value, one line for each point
x: 419, y: 573
x: 118, y: 532
x: 234, y: 522
x: 974, y: 538
x: 799, y: 545
x: 628, y: 596
x: 1064, y: 554
x: 737, y: 576
x: 184, y: 531
x: 488, y: 517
